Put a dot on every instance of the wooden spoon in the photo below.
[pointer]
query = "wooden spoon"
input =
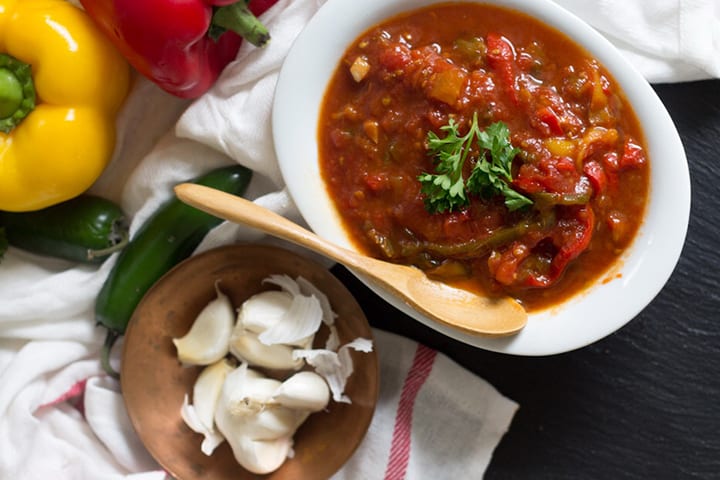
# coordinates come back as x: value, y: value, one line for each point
x: 448, y: 305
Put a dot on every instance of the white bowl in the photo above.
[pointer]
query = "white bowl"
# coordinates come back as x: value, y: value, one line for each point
x: 585, y: 318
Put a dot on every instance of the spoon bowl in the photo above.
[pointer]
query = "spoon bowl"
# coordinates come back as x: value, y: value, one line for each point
x: 453, y: 307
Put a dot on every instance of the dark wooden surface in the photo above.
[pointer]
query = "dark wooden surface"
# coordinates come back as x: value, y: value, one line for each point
x: 643, y: 403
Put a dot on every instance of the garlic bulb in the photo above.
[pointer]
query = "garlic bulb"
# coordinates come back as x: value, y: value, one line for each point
x: 303, y: 391
x: 258, y: 434
x: 208, y: 338
x: 271, y: 422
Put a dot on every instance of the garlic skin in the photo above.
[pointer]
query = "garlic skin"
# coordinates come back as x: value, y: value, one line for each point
x: 335, y: 366
x: 208, y: 338
x: 306, y: 391
x: 246, y: 346
x: 263, y: 310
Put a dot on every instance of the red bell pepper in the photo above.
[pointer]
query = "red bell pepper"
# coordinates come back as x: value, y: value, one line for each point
x: 181, y: 45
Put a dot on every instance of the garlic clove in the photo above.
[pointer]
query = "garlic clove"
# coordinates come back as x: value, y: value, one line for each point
x: 241, y: 415
x: 246, y: 390
x: 306, y: 391
x: 261, y: 456
x: 263, y: 310
x: 212, y: 438
x: 207, y: 388
x: 246, y: 346
x: 208, y: 338
x: 272, y: 422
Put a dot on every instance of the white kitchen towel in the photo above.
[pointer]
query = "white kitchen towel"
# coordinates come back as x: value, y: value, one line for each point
x: 434, y: 419
x: 61, y: 419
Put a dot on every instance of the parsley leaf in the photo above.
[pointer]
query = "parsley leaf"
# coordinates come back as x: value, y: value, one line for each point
x: 446, y: 189
x: 492, y: 176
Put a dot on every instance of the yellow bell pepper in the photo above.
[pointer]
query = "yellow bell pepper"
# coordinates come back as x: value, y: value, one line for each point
x: 57, y: 125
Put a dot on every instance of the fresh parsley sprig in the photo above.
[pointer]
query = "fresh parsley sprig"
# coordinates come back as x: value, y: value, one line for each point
x: 447, y: 190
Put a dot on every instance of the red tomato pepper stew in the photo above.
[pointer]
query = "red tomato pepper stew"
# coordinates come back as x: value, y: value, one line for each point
x: 579, y: 157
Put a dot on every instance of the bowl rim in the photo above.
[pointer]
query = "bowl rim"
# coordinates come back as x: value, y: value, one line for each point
x: 603, y: 307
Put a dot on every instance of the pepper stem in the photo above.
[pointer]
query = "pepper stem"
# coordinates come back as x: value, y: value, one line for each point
x: 238, y: 18
x: 17, y: 92
x: 110, y: 339
x: 105, y: 252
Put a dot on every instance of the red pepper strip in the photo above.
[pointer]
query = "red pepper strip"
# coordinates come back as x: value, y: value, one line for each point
x: 573, y: 237
x: 168, y: 40
x: 548, y: 116
x: 596, y: 173
x: 519, y: 264
x: 501, y: 58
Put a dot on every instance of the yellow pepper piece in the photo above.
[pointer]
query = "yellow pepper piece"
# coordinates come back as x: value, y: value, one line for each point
x: 63, y: 145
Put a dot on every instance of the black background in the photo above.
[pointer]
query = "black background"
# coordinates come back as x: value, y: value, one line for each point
x: 642, y: 403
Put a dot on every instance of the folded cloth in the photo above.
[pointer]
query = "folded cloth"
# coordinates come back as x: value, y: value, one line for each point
x: 61, y: 418
x: 667, y: 40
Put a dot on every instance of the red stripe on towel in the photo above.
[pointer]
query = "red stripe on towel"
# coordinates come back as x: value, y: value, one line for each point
x: 74, y: 396
x: 400, y: 447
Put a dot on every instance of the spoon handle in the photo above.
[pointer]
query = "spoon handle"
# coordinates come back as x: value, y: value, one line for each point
x: 240, y: 210
x: 458, y: 308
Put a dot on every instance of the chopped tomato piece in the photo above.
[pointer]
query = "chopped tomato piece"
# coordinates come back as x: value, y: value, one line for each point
x: 633, y: 156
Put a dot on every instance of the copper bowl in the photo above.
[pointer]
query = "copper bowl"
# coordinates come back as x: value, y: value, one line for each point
x: 154, y: 382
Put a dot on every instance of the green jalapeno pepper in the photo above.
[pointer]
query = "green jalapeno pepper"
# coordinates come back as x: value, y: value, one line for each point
x: 85, y: 229
x: 169, y: 236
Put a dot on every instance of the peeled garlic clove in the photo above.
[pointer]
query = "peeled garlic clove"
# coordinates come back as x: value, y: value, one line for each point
x: 261, y: 456
x: 303, y: 391
x: 212, y: 438
x: 208, y: 338
x: 207, y: 388
x: 263, y: 310
x: 246, y: 346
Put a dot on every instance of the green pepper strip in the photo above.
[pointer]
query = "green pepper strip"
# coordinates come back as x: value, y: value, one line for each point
x: 17, y: 92
x: 475, y: 246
